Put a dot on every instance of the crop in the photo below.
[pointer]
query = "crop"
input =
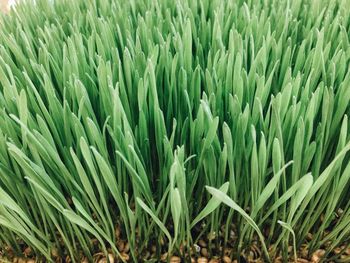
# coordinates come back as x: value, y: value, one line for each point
x: 174, y: 121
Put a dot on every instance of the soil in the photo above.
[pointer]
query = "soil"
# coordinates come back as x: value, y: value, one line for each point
x: 201, y: 252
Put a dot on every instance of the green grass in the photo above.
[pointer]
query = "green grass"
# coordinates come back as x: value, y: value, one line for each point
x: 174, y: 120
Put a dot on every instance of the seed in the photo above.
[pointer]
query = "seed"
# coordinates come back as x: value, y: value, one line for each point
x: 250, y: 255
x: 202, y: 243
x: 309, y: 236
x: 111, y: 258
x: 27, y: 251
x: 182, y: 248
x: 204, y: 252
x: 227, y: 251
x: 212, y: 235
x: 278, y: 260
x: 175, y: 259
x: 124, y: 256
x: 226, y: 259
x: 337, y: 250
x: 117, y: 232
x: 202, y: 260
x: 304, y: 251
x: 126, y: 247
x: 120, y: 245
x: 153, y: 248
x: 104, y: 259
x: 164, y: 257
x: 316, y: 257
x: 54, y: 253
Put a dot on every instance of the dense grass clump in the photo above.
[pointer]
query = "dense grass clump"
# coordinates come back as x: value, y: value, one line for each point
x: 174, y: 121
